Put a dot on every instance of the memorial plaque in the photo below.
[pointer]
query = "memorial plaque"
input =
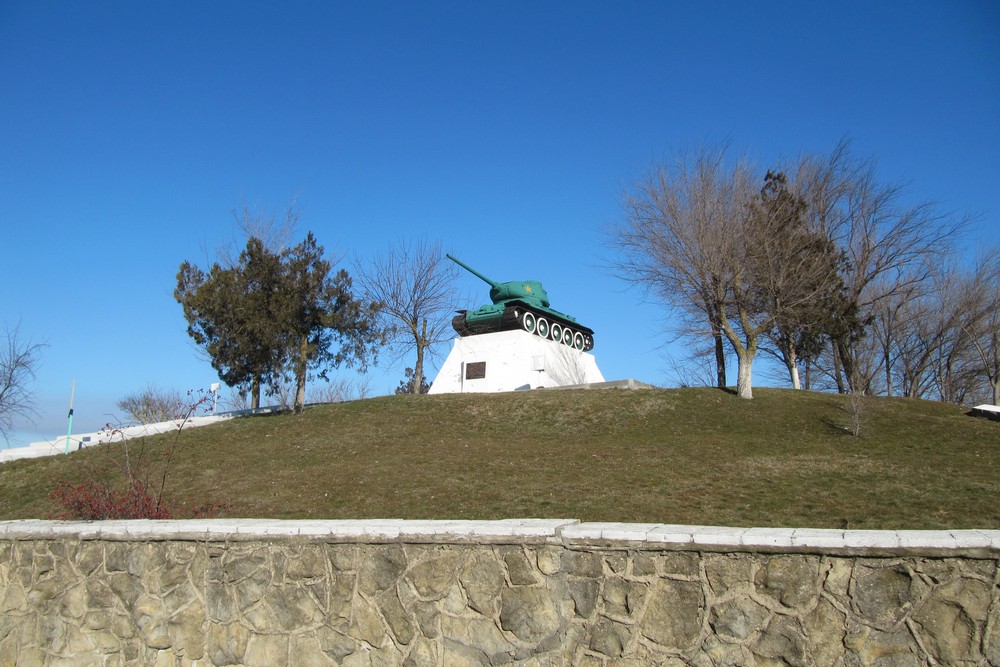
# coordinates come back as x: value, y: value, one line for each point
x: 475, y: 370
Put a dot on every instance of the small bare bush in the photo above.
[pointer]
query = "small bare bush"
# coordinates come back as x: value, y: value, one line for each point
x: 126, y: 477
x: 857, y: 411
x: 338, y: 390
x: 152, y: 405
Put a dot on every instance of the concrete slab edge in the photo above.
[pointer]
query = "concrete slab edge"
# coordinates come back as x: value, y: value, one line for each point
x: 568, y: 532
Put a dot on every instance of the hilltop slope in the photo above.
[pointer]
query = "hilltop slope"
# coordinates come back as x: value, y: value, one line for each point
x: 695, y: 456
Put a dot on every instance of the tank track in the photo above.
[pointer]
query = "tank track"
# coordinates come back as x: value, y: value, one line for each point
x: 539, y: 323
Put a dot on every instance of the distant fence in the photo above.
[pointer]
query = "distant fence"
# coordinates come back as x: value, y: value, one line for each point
x: 514, y: 592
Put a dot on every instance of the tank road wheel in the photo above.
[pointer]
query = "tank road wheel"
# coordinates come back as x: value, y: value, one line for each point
x: 567, y: 338
x: 578, y: 341
x: 542, y: 327
x: 529, y: 322
x: 556, y: 331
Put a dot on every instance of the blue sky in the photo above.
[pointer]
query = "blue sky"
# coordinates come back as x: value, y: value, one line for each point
x: 507, y: 130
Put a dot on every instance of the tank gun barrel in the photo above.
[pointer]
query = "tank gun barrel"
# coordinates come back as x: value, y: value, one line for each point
x: 491, y: 283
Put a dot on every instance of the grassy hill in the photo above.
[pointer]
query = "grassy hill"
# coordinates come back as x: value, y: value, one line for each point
x: 695, y: 456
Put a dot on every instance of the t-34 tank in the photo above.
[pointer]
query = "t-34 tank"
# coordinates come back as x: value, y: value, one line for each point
x: 521, y: 304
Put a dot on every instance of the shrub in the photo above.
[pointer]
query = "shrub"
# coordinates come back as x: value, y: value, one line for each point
x: 406, y: 384
x: 125, y: 479
x: 93, y: 501
x: 152, y: 405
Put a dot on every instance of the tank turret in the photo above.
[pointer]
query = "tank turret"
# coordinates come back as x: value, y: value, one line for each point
x: 521, y: 304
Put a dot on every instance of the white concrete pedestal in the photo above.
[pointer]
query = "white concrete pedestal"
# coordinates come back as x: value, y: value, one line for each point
x: 511, y: 360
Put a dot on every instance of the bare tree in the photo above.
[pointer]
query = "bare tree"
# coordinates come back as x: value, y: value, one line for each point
x: 340, y: 389
x: 675, y: 240
x: 730, y: 251
x: 937, y: 340
x: 951, y: 371
x: 696, y: 368
x: 981, y: 320
x: 919, y: 337
x: 415, y: 285
x: 887, y: 320
x: 806, y: 262
x: 889, y: 244
x: 152, y: 405
x: 858, y: 412
x: 19, y: 361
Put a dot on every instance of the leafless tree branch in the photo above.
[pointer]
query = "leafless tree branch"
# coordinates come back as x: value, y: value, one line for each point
x: 19, y: 361
x: 414, y: 282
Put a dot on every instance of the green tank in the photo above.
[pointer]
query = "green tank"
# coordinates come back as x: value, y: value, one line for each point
x: 524, y: 305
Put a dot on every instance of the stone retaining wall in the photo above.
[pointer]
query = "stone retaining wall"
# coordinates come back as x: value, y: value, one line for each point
x: 519, y: 593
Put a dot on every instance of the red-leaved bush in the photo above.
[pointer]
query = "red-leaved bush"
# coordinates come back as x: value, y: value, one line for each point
x: 123, y: 478
x: 94, y: 501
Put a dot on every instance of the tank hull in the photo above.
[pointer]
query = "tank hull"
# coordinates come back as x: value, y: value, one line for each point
x: 517, y: 314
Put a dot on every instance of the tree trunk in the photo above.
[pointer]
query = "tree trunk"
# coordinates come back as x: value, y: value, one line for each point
x: 255, y: 394
x: 948, y: 391
x: 712, y: 307
x: 300, y: 375
x: 418, y: 371
x: 794, y: 371
x: 418, y: 367
x: 838, y: 374
x: 720, y: 358
x: 791, y: 362
x: 888, y: 373
x: 994, y: 376
x: 745, y: 352
x: 847, y: 360
x: 744, y: 385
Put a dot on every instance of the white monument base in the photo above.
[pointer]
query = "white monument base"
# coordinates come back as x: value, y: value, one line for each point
x: 985, y: 410
x: 512, y: 360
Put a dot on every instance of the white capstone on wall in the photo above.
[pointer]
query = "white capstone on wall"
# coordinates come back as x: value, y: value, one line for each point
x: 514, y: 360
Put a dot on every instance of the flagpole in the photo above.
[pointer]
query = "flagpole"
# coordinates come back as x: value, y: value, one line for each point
x: 69, y: 430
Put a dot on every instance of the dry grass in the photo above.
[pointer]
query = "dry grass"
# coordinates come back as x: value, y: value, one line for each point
x: 695, y: 456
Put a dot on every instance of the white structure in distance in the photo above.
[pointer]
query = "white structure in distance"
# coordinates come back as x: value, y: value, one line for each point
x: 510, y: 361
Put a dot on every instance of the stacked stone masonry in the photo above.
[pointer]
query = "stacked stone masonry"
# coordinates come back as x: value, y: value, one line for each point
x: 488, y: 594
